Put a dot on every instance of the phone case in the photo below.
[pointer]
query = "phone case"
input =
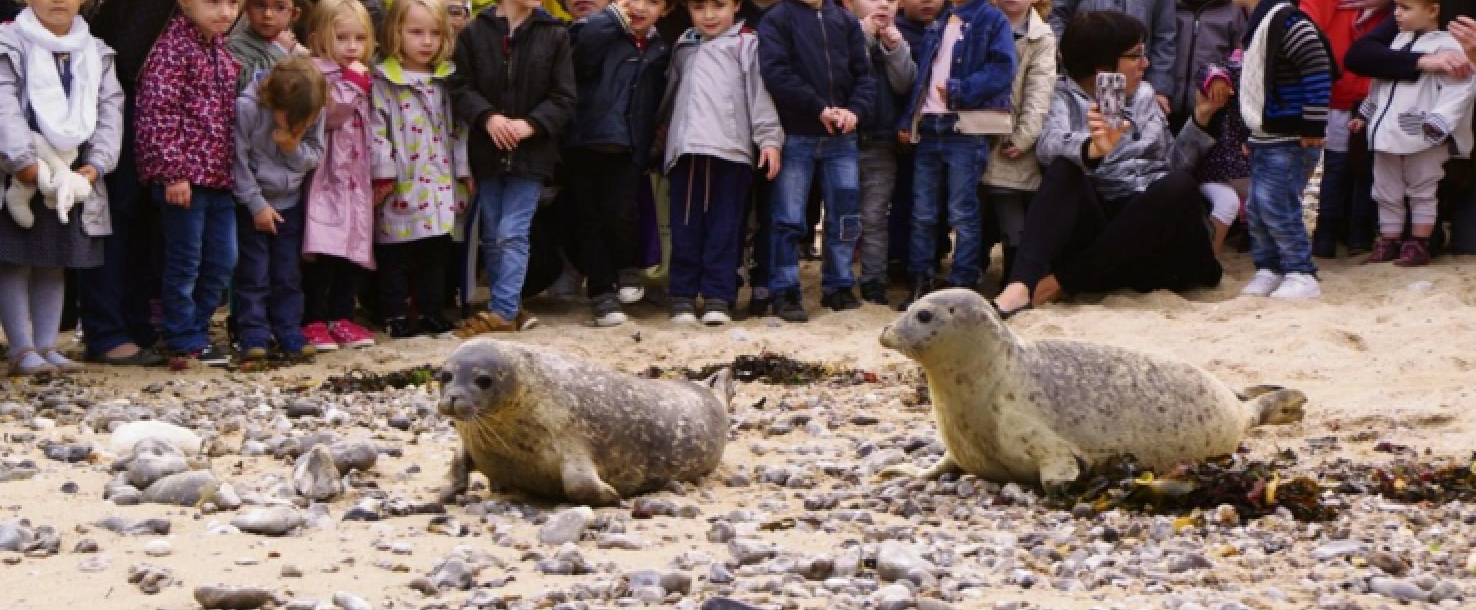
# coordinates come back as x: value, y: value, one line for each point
x: 1111, y: 97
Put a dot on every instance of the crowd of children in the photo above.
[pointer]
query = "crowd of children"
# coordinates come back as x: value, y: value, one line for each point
x: 309, y: 159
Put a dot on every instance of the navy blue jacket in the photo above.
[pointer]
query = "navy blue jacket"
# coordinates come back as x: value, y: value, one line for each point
x: 983, y: 68
x: 620, y: 86
x: 912, y: 31
x: 812, y: 60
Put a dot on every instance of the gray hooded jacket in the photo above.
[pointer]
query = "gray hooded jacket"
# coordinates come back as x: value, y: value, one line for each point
x: 1146, y: 152
x: 716, y: 103
x: 264, y: 174
x: 16, y: 150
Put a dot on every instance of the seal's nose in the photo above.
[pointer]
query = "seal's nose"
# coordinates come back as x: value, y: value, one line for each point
x: 447, y: 406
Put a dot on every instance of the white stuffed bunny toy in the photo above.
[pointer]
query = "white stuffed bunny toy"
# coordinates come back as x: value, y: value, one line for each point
x: 60, y: 187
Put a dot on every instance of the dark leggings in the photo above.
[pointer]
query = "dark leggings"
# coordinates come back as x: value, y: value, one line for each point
x: 329, y: 286
x: 413, y: 269
x: 1154, y: 240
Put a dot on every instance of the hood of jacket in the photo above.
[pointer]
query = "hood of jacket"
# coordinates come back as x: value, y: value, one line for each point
x: 393, y: 72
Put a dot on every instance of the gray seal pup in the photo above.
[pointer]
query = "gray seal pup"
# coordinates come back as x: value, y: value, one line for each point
x: 565, y: 428
x: 1009, y: 409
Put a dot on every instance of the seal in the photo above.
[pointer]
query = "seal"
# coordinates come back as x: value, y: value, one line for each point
x: 562, y: 427
x: 1011, y: 410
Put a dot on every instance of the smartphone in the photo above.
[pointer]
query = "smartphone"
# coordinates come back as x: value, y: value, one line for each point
x: 1111, y: 97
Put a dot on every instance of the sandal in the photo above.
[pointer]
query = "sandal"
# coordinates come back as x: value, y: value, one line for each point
x: 483, y: 323
x: 45, y: 369
x: 66, y: 366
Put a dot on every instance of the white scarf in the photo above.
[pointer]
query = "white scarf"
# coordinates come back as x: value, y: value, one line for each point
x: 66, y: 121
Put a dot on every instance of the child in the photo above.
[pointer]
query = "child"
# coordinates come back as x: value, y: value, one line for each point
x: 962, y: 95
x: 894, y: 71
x: 719, y: 111
x: 1412, y: 129
x: 1224, y: 170
x: 460, y: 13
x: 279, y: 140
x: 419, y: 156
x: 1013, y: 172
x: 514, y: 87
x: 813, y: 58
x: 265, y: 40
x: 1284, y: 88
x: 339, y: 232
x: 620, y: 66
x: 186, y: 113
x: 68, y: 92
x: 1208, y: 30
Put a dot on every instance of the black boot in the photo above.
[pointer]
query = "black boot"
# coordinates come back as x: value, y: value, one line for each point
x: 1008, y: 265
x: 921, y: 286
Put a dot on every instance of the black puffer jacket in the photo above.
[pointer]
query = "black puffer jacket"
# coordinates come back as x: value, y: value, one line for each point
x: 528, y: 75
x: 620, y: 86
x: 130, y: 27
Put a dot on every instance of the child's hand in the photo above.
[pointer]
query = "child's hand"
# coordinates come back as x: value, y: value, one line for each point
x: 769, y: 159
x: 358, y: 66
x: 904, y: 137
x: 1104, y: 138
x: 890, y: 36
x: 497, y: 130
x: 89, y: 172
x: 287, y: 40
x: 382, y: 190
x: 266, y: 220
x: 1356, y: 125
x: 471, y: 185
x: 178, y: 194
x: 521, y: 129
x: 845, y: 120
x: 869, y: 27
x: 28, y: 175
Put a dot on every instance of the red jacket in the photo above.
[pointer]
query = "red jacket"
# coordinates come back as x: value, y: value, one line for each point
x: 187, y: 109
x: 1343, y: 28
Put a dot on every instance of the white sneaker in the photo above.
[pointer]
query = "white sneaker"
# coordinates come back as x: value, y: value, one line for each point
x: 685, y: 317
x: 1263, y: 284
x: 716, y: 318
x: 630, y: 294
x: 1298, y: 286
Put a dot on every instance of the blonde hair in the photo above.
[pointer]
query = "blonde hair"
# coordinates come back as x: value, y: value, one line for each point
x: 322, y: 28
x: 295, y: 87
x: 400, y: 11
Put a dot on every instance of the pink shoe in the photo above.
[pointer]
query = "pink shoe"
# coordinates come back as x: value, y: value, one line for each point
x: 348, y: 334
x: 317, y: 335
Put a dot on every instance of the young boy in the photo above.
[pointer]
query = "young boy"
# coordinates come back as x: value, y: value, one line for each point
x: 894, y: 71
x: 620, y: 67
x: 961, y: 96
x: 1284, y: 90
x: 266, y: 39
x: 719, y: 112
x: 813, y: 57
x: 186, y: 115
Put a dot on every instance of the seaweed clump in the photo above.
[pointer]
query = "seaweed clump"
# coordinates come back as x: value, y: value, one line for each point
x: 768, y: 368
x: 1253, y: 488
x: 1407, y: 481
x: 360, y: 380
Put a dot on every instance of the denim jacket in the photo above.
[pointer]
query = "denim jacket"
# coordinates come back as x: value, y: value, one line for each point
x: 980, y: 76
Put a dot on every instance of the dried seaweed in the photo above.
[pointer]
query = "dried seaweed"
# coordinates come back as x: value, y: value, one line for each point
x: 768, y: 368
x: 360, y: 380
x: 1407, y: 481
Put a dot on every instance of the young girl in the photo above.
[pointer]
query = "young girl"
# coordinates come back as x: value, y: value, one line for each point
x: 1224, y: 171
x: 339, y: 232
x: 59, y: 82
x: 419, y: 155
x: 1412, y: 129
x: 514, y: 87
x: 279, y: 139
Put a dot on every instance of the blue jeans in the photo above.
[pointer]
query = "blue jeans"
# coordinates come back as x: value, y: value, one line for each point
x: 268, y: 290
x: 1345, y: 206
x: 945, y: 159
x: 199, y: 257
x: 1273, y: 212
x: 506, y: 205
x: 836, y: 160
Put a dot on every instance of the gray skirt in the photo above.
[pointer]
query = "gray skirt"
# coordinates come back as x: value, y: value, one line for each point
x: 49, y: 243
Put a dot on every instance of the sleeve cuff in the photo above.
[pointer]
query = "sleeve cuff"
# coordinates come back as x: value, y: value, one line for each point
x: 1314, y: 129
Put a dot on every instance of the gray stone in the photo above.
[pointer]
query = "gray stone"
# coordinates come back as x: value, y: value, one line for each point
x: 625, y: 542
x: 1338, y: 548
x: 153, y: 460
x: 1390, y: 563
x: 895, y: 561
x: 221, y: 597
x: 315, y: 477
x: 349, y: 601
x: 269, y: 521
x: 183, y: 489
x: 565, y: 526
x: 158, y: 548
x: 1444, y: 590
x: 354, y: 455
x: 69, y: 453
x: 1190, y: 561
x: 748, y: 551
x: 1397, y: 588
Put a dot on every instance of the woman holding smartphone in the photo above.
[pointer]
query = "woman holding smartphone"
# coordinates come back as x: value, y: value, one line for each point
x: 1117, y: 207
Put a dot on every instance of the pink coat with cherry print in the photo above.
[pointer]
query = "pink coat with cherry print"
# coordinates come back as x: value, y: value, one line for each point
x: 340, y: 210
x: 419, y: 144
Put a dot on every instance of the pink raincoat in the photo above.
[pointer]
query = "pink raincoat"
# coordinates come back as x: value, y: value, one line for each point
x: 340, y: 210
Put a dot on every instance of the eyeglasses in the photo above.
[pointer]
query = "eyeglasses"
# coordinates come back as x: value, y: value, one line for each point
x: 1138, y: 56
x: 457, y: 11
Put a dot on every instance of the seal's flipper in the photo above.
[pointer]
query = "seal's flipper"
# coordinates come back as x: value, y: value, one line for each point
x: 943, y: 466
x: 1282, y: 406
x: 1256, y: 391
x: 458, y: 479
x: 583, y: 484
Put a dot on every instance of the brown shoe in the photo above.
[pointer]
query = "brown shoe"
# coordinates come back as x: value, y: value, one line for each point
x: 1384, y: 250
x: 483, y: 323
x: 1415, y: 253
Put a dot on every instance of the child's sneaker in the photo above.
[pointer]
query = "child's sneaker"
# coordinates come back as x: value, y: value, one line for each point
x: 526, y: 321
x: 1384, y: 250
x: 305, y: 352
x: 400, y: 328
x: 1297, y: 286
x: 211, y: 355
x: 435, y: 326
x: 631, y: 294
x: 254, y: 354
x: 683, y: 310
x: 715, y: 312
x: 350, y: 335
x: 840, y: 300
x: 1415, y: 253
x: 317, y: 335
x: 607, y: 312
x: 875, y: 292
x: 1263, y: 284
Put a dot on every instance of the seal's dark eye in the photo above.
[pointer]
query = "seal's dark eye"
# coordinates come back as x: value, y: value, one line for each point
x: 925, y: 316
x: 446, y: 377
x: 484, y: 381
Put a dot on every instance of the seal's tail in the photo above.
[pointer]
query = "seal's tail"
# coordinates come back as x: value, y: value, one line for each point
x: 1275, y: 405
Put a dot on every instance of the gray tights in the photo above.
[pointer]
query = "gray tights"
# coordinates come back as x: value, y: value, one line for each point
x: 31, y: 301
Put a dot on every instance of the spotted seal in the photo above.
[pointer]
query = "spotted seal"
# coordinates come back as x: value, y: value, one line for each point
x: 1009, y: 409
x: 565, y: 428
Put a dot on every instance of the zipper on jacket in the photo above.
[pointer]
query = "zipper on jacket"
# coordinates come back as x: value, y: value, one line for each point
x: 1189, y: 67
x: 825, y: 41
x: 1373, y: 128
x: 507, y: 91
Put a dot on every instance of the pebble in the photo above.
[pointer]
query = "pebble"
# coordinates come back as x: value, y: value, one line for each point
x: 270, y: 521
x: 1390, y: 563
x: 1397, y: 588
x: 1339, y: 548
x: 69, y: 453
x: 221, y: 597
x: 290, y: 571
x: 349, y: 601
x: 624, y: 542
x: 183, y: 489
x: 896, y: 561
x: 748, y: 551
x: 18, y: 470
x: 565, y: 526
x: 315, y: 477
x: 354, y: 455
x: 158, y: 548
x: 154, y: 460
x: 131, y: 433
x: 150, y: 578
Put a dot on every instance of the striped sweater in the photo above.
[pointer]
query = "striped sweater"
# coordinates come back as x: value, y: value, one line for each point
x: 1295, y: 70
